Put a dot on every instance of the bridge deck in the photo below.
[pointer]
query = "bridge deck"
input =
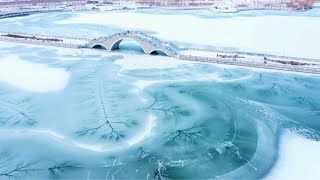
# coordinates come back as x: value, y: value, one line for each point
x: 303, y: 65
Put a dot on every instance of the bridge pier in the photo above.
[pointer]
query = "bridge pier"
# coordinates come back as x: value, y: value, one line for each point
x: 116, y: 45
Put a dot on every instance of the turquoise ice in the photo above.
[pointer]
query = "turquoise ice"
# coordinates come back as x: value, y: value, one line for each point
x: 192, y: 121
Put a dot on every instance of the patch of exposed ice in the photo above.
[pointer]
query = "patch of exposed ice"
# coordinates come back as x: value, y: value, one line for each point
x: 31, y: 76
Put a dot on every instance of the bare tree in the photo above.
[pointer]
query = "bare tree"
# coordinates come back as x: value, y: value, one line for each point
x: 108, y: 131
x: 6, y: 170
x: 106, y: 126
x: 60, y: 168
x: 190, y: 92
x: 276, y: 85
x: 260, y: 77
x: 10, y: 113
x: 189, y: 135
x: 158, y: 105
x: 238, y: 86
x: 21, y: 168
x: 4, y: 158
x: 312, y: 105
x: 142, y: 154
x: 228, y: 73
x: 305, y: 82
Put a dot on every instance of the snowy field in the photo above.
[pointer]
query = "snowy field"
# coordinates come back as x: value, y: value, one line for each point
x: 280, y: 35
x: 298, y: 158
x: 54, y: 98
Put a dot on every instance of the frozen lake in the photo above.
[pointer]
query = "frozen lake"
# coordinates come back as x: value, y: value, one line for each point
x: 91, y: 114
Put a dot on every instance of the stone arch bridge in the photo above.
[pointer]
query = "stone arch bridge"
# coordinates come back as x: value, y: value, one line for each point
x: 149, y: 44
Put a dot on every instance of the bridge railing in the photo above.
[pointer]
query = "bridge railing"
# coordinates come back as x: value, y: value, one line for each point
x: 165, y: 43
x: 286, y: 67
x: 158, y: 43
x: 252, y: 54
x: 174, y: 49
x: 143, y: 37
x: 39, y: 42
x: 44, y: 36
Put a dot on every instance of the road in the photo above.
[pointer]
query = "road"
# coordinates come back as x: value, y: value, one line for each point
x: 283, y: 63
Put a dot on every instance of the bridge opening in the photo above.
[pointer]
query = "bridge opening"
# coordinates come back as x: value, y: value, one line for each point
x: 98, y: 46
x: 130, y: 45
x: 159, y: 53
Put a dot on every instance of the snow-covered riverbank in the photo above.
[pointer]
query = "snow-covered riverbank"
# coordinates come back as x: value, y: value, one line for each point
x: 150, y: 99
x: 280, y: 35
x: 298, y: 158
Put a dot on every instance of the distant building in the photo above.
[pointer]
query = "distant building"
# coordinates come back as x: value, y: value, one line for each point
x: 174, y: 3
x: 241, y: 4
x: 21, y: 6
x: 7, y: 6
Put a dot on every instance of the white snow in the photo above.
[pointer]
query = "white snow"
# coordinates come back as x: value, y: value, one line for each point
x: 199, y: 53
x: 132, y: 61
x: 246, y: 57
x: 280, y: 35
x: 73, y: 41
x: 74, y: 54
x: 150, y: 124
x: 65, y: 40
x: 31, y: 76
x: 299, y: 158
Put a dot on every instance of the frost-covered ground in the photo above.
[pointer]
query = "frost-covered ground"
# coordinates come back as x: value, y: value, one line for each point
x: 281, y: 35
x: 298, y: 158
x: 90, y: 114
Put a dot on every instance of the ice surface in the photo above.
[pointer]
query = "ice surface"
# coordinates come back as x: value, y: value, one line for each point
x: 169, y: 118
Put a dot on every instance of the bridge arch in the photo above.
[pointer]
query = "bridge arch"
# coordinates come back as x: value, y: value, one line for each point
x: 98, y: 46
x: 158, y: 51
x: 116, y: 44
x: 149, y: 44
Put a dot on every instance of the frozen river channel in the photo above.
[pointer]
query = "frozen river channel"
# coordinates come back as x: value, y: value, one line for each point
x: 91, y: 114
